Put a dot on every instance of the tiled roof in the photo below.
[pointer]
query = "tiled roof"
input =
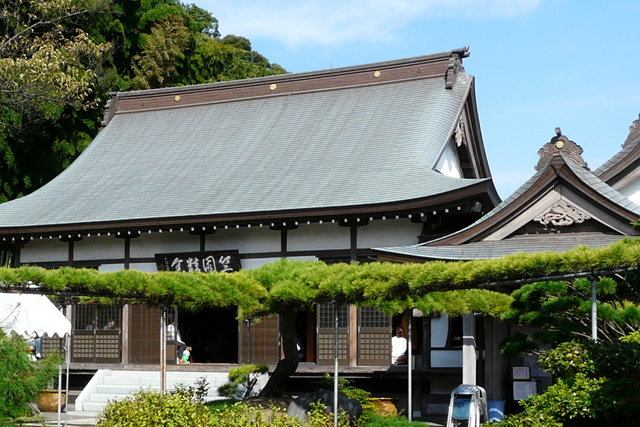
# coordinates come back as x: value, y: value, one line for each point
x: 496, y: 249
x: 338, y: 147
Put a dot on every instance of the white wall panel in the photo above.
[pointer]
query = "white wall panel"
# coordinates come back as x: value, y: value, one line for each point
x: 446, y: 358
x: 317, y: 236
x: 45, y: 250
x: 94, y: 247
x: 246, y: 240
x: 439, y: 331
x: 149, y: 244
x: 250, y: 264
x: 392, y: 232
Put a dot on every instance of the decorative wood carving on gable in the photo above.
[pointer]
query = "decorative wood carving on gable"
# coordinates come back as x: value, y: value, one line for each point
x: 562, y: 214
x: 634, y: 131
x: 460, y: 134
x: 560, y: 145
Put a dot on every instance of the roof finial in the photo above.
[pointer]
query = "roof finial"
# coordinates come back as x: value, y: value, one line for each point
x: 560, y: 145
x: 634, y: 132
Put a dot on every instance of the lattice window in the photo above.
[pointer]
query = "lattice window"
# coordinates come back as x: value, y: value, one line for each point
x: 374, y: 346
x: 327, y: 316
x: 326, y: 346
x: 371, y: 317
x: 93, y: 317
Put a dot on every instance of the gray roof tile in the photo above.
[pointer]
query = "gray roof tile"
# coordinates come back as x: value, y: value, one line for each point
x: 496, y: 249
x: 333, y: 148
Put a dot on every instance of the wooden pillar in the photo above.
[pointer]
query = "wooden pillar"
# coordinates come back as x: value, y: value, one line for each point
x: 127, y: 252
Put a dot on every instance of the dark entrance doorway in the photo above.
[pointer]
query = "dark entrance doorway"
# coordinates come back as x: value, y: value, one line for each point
x: 212, y: 334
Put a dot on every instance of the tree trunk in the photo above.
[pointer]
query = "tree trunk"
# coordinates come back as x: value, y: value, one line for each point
x: 287, y: 366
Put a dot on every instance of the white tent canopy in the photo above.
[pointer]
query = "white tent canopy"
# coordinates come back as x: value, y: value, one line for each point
x: 27, y: 314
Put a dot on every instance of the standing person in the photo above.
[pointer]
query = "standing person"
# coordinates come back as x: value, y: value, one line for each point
x: 174, y: 334
x: 398, y: 347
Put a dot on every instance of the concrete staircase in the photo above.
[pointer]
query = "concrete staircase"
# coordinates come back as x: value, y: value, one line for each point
x: 107, y: 385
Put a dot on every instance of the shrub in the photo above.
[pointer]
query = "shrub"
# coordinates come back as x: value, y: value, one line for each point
x: 20, y: 378
x: 148, y: 408
x: 242, y: 415
x: 375, y: 420
x: 345, y: 387
x: 242, y: 380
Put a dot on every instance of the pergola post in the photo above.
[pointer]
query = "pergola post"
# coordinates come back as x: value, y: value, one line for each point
x: 335, y: 375
x: 594, y: 310
x: 410, y: 368
x: 163, y: 349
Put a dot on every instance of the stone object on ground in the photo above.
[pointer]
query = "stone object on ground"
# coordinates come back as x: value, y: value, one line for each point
x: 300, y: 406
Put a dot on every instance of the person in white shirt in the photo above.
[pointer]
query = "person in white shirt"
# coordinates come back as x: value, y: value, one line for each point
x: 398, y: 347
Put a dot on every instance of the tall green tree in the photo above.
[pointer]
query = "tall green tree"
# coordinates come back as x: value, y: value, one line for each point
x: 47, y: 66
x: 60, y: 58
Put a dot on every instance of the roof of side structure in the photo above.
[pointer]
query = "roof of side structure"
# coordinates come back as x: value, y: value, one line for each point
x: 327, y: 140
x: 556, y: 167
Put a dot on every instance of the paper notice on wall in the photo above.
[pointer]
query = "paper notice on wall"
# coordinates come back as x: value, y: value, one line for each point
x: 524, y: 389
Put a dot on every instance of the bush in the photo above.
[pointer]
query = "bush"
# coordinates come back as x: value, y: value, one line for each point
x: 242, y: 415
x: 375, y: 420
x: 148, y: 408
x: 345, y: 387
x: 596, y: 384
x: 242, y: 380
x: 20, y: 378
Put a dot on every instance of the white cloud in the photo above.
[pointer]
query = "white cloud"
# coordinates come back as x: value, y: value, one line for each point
x: 332, y: 22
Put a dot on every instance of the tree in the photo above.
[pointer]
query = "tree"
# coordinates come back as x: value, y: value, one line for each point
x: 284, y: 286
x: 46, y: 66
x: 561, y: 312
x: 60, y: 58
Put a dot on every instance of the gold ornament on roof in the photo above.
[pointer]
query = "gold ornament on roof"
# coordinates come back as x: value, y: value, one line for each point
x: 177, y: 98
x: 376, y: 74
x: 273, y: 86
x: 560, y: 144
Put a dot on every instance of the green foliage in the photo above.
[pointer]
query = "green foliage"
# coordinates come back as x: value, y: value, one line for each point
x: 242, y: 380
x: 20, y: 378
x: 196, y: 393
x: 148, y: 408
x: 594, y: 383
x: 241, y: 415
x: 561, y: 311
x: 345, y: 387
x: 375, y: 420
x: 60, y: 58
x: 392, y: 287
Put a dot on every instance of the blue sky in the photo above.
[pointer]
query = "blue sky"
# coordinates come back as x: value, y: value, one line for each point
x: 538, y: 63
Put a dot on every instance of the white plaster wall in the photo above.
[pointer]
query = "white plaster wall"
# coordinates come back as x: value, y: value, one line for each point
x: 250, y: 264
x: 632, y: 191
x: 449, y: 163
x: 146, y: 267
x: 44, y: 250
x: 147, y: 245
x: 318, y: 237
x: 446, y: 358
x: 439, y: 331
x: 94, y: 247
x: 105, y: 268
x: 246, y: 240
x: 392, y: 232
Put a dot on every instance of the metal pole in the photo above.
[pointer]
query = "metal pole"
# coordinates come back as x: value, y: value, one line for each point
x: 410, y: 368
x: 335, y: 375
x: 594, y: 311
x: 163, y: 348
x: 66, y: 396
x: 59, y: 392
